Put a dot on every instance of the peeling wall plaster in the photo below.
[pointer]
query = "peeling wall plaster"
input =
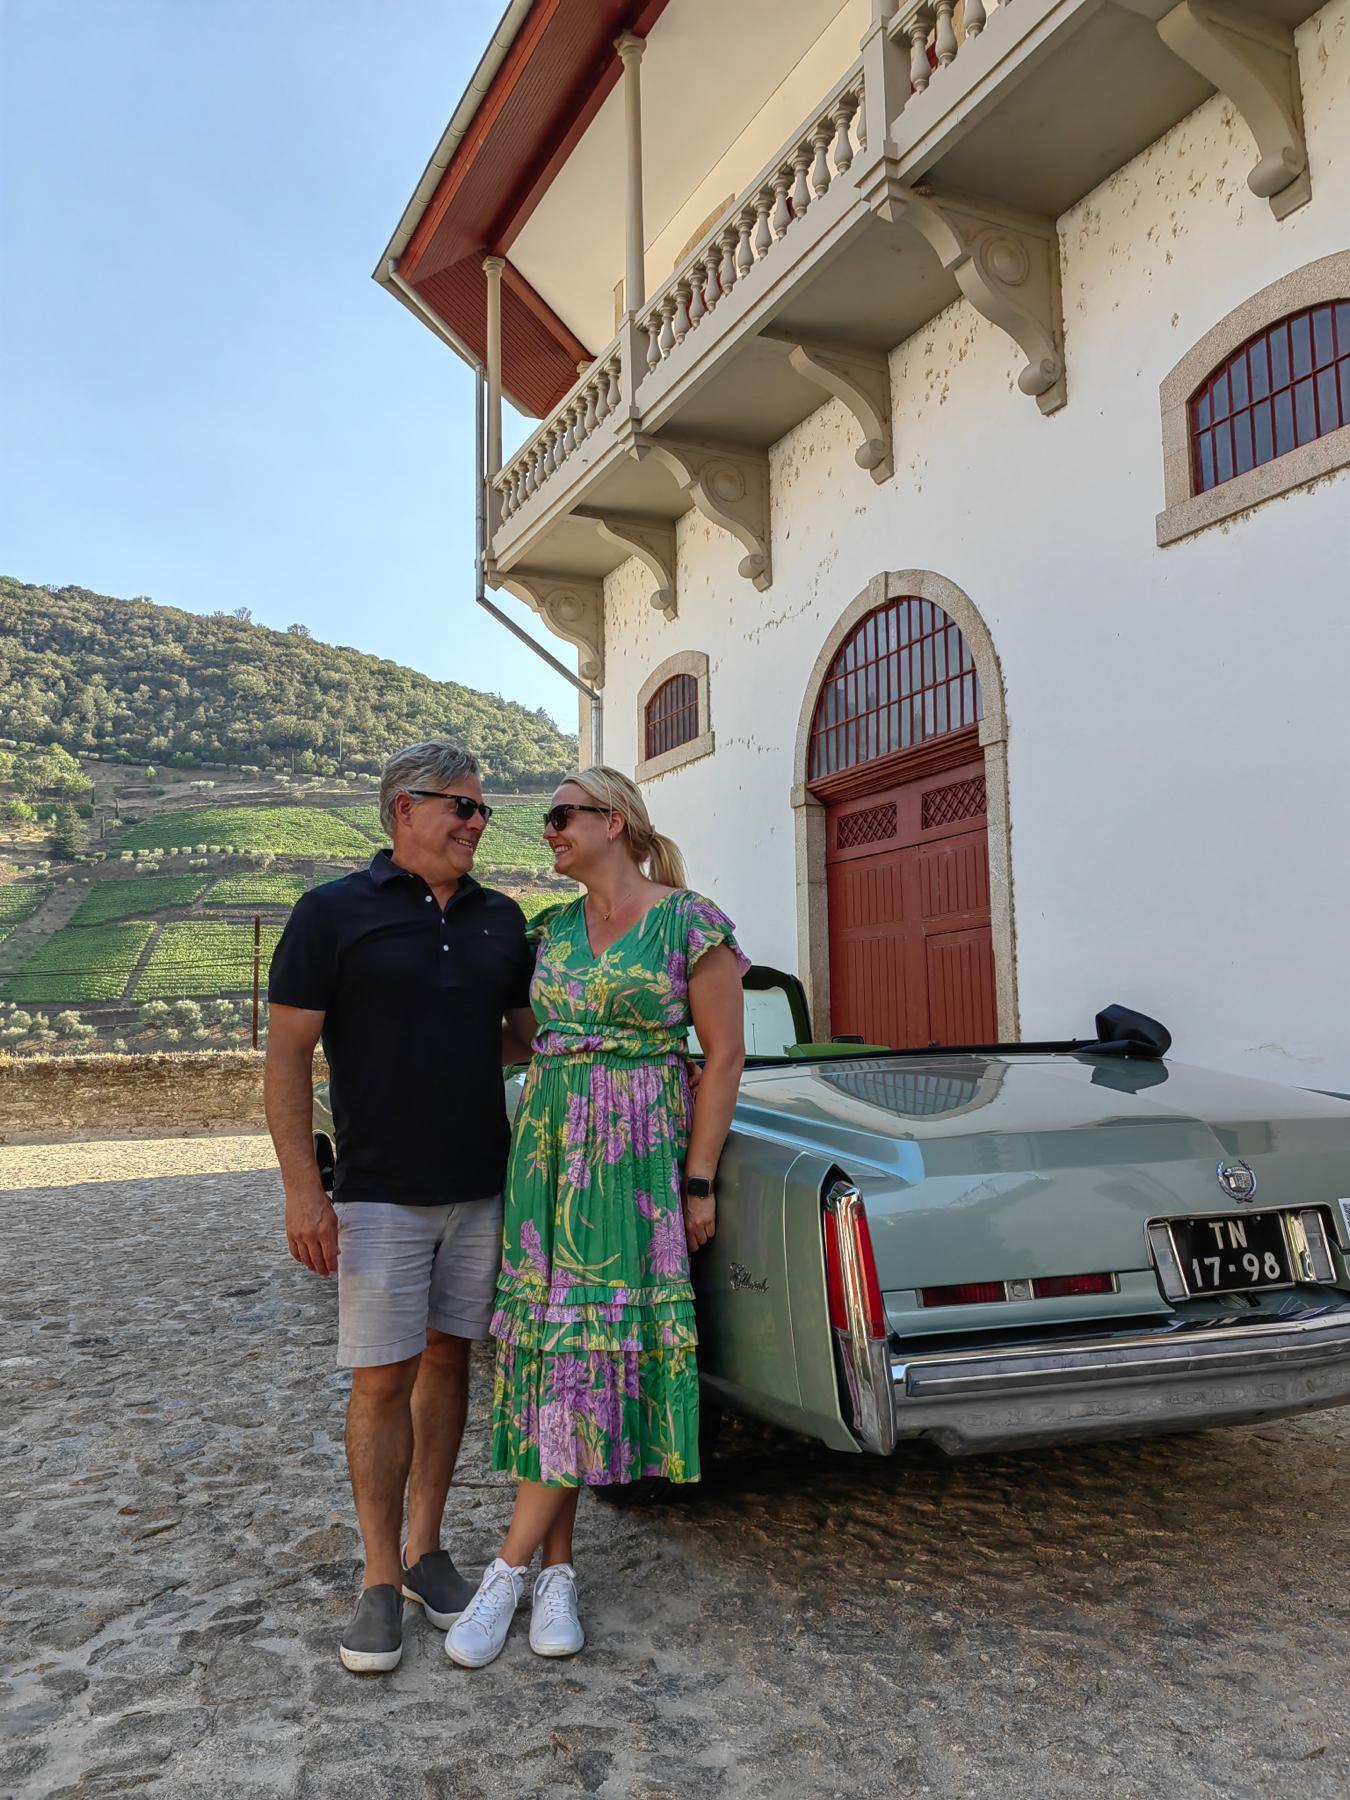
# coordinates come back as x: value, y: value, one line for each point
x: 1175, y: 717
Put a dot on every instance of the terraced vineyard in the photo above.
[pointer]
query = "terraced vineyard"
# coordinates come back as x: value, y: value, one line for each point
x: 365, y: 819
x: 514, y: 837
x: 258, y: 890
x: 19, y: 903
x: 93, y: 962
x: 283, y: 830
x: 201, y: 957
x: 136, y: 897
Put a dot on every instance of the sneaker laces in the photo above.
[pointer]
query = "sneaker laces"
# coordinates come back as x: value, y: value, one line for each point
x: 556, y: 1588
x: 487, y: 1602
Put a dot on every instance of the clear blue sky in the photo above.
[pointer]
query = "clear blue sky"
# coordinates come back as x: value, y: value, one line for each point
x: 205, y: 398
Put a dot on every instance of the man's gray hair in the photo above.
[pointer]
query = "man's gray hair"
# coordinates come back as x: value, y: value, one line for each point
x: 429, y: 765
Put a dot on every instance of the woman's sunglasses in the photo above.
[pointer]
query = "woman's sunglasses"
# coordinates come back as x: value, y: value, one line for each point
x: 464, y: 807
x: 555, y: 819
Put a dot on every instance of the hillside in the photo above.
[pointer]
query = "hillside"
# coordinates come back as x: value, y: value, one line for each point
x: 149, y: 683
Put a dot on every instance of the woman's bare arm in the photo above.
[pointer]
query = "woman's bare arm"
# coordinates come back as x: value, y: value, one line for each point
x: 718, y: 1007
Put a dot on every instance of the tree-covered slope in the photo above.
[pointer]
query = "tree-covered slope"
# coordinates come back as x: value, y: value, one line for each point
x: 159, y: 685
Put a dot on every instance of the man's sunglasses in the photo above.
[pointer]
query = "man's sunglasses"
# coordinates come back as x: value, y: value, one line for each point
x: 465, y: 808
x: 555, y: 819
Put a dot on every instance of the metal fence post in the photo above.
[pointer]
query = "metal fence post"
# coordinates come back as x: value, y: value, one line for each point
x: 257, y: 969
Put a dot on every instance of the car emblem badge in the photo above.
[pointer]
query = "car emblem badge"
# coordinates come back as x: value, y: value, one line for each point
x: 1237, y: 1179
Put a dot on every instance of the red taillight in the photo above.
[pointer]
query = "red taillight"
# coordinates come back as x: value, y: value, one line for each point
x: 1059, y: 1287
x: 964, y: 1293
x: 848, y: 1242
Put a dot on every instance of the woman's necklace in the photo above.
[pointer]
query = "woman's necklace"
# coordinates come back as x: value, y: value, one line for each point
x: 607, y: 916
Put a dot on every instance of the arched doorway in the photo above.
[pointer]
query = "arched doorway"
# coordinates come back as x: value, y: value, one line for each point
x: 896, y: 798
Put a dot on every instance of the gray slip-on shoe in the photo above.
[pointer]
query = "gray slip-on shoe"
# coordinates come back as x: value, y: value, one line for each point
x: 373, y: 1641
x: 438, y: 1587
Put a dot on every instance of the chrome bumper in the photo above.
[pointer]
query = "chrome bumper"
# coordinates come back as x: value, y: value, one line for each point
x: 1120, y: 1386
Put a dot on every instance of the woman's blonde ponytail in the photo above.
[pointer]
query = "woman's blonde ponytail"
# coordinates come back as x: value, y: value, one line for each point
x: 654, y: 853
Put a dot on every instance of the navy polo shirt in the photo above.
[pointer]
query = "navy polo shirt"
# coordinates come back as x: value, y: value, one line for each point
x: 412, y: 999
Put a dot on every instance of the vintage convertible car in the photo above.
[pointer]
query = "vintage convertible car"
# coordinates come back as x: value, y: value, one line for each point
x: 1023, y: 1244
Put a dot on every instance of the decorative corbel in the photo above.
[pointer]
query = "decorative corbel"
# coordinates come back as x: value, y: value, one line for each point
x: 1253, y: 62
x: 1007, y: 266
x: 862, y: 380
x: 651, y: 540
x: 571, y: 606
x: 729, y: 487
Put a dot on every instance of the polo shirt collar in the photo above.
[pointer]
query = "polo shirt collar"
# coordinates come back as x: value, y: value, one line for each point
x: 383, y: 870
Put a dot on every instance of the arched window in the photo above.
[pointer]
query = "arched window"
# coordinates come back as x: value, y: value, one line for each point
x: 672, y: 715
x: 1285, y: 387
x: 905, y: 675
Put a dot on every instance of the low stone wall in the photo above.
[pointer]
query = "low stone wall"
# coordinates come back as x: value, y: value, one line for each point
x: 49, y: 1099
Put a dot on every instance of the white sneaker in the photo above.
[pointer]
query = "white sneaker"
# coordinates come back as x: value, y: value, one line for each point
x: 477, y: 1635
x: 555, y: 1629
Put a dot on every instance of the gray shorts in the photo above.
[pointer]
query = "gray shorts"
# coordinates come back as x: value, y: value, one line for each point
x: 404, y: 1268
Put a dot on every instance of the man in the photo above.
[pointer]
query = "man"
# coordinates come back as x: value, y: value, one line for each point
x: 417, y: 980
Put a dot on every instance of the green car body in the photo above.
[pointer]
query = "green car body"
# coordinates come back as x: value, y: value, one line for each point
x: 884, y: 1221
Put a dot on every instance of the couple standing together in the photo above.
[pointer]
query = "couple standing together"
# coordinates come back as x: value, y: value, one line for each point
x: 574, y: 1255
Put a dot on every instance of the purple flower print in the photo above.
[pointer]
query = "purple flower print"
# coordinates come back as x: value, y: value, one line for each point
x: 667, y: 1253
x: 645, y: 1204
x: 578, y: 1118
x: 557, y: 1441
x: 534, y: 1249
x: 578, y: 1171
x: 631, y: 1385
x: 570, y: 1380
x: 676, y: 974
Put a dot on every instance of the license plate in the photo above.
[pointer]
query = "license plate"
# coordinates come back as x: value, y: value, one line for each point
x: 1232, y: 1254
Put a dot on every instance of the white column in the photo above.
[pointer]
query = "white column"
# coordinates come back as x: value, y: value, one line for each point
x: 492, y: 268
x: 630, y: 50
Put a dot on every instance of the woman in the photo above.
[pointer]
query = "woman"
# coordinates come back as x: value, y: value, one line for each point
x: 609, y: 1189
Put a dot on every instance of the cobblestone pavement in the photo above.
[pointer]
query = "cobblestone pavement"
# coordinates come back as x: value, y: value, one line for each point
x: 177, y: 1557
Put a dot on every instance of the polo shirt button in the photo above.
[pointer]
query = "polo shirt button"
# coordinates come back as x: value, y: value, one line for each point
x: 428, y: 899
x: 445, y: 946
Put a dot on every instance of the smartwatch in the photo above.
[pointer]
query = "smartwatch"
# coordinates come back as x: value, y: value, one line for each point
x: 697, y: 1187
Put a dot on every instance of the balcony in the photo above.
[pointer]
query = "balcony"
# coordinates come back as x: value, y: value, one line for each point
x: 935, y: 167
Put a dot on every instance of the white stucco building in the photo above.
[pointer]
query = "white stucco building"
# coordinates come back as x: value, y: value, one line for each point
x: 942, y: 479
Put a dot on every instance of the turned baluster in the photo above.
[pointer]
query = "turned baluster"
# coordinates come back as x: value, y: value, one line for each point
x: 860, y: 123
x: 946, y: 32
x: 821, y: 138
x: 975, y: 17
x: 712, y: 289
x: 579, y: 430
x: 601, y: 395
x: 652, y: 326
x: 919, y: 70
x: 842, y: 112
x: 567, y: 440
x: 503, y: 492
x: 668, y: 324
x: 728, y: 273
x: 612, y: 394
x: 801, y: 190
x: 531, y: 473
x: 694, y: 283
x: 782, y: 212
x: 763, y: 207
x: 679, y: 323
x: 745, y: 249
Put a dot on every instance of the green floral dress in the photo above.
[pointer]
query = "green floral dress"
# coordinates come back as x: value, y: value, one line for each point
x: 596, y: 1380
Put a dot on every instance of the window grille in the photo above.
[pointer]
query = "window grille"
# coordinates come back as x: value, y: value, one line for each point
x: 1286, y: 386
x: 672, y: 714
x: 905, y: 675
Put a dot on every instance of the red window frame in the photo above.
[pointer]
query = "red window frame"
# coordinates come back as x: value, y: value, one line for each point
x: 1286, y: 386
x: 672, y: 715
x: 904, y: 676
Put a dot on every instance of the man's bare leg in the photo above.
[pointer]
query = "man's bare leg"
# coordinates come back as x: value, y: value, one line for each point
x: 379, y: 1454
x: 440, y: 1401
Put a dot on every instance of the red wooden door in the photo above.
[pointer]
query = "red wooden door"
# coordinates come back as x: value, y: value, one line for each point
x: 911, y: 950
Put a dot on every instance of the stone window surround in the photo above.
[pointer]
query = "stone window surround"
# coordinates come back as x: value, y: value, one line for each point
x: 1185, y: 511
x: 684, y: 662
x: 808, y: 813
